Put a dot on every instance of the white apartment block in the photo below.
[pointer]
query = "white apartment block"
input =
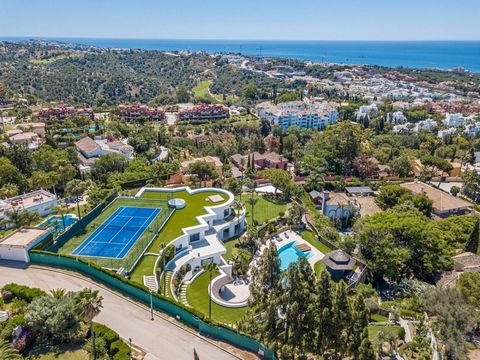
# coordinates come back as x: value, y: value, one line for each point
x: 315, y: 115
x: 425, y: 125
x: 39, y: 201
x: 472, y: 130
x: 396, y: 117
x: 367, y: 110
x: 454, y: 120
x: 443, y: 133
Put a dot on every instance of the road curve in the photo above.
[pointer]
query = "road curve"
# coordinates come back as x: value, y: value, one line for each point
x: 161, y: 338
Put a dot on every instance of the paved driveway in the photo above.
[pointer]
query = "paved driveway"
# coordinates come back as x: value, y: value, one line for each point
x: 159, y: 337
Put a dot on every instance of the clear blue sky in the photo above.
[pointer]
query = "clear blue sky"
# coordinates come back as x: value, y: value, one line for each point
x: 244, y: 19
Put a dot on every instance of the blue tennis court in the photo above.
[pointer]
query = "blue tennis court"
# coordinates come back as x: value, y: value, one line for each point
x: 115, y: 237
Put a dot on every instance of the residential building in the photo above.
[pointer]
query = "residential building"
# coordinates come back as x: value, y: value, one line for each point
x: 29, y: 139
x: 40, y: 201
x: 396, y: 117
x: 214, y: 160
x: 90, y: 150
x: 15, y: 246
x: 463, y: 263
x: 359, y: 191
x: 338, y: 205
x: 444, y: 204
x: 472, y: 130
x: 367, y: 111
x: 204, y: 112
x: 313, y: 115
x: 62, y: 112
x: 425, y: 125
x: 139, y: 112
x: 454, y: 120
x: 35, y: 127
x: 268, y: 160
x: 447, y: 132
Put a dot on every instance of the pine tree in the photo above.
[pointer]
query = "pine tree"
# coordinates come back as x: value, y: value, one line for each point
x: 341, y: 319
x: 297, y: 296
x: 323, y: 308
x: 248, y: 161
x: 359, y: 324
x: 366, y: 352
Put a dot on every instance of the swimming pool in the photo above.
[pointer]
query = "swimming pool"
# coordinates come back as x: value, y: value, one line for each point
x: 56, y: 222
x: 289, y: 254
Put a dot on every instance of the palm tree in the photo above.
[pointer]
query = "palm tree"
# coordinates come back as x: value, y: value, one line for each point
x: 58, y: 293
x: 8, y: 352
x: 252, y: 201
x: 62, y: 210
x: 237, y: 207
x: 19, y: 217
x: 77, y: 188
x: 89, y: 306
x: 211, y: 267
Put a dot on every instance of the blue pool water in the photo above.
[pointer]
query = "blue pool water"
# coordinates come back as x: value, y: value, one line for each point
x: 289, y: 254
x: 56, y: 222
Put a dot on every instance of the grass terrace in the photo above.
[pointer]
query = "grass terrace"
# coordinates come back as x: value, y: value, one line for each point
x: 264, y: 210
x: 198, y: 298
x: 138, y: 247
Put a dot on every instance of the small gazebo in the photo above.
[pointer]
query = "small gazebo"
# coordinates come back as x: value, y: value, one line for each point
x: 339, y: 264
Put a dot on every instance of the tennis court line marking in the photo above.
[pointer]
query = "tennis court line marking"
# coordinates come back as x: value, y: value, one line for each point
x: 106, y: 224
x: 102, y: 227
x: 155, y: 213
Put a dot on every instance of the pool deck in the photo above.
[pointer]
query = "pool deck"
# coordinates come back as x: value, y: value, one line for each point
x: 290, y: 236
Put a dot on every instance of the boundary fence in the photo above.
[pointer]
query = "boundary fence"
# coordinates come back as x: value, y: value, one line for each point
x: 142, y: 294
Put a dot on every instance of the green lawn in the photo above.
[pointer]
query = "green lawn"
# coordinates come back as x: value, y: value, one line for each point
x: 144, y: 267
x: 230, y: 245
x: 202, y: 91
x: 379, y: 318
x: 197, y: 297
x: 309, y: 236
x: 264, y: 209
x: 64, y: 352
x: 319, y: 267
x: 394, y: 330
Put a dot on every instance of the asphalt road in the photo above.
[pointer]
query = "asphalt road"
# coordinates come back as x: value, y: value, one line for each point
x: 160, y: 337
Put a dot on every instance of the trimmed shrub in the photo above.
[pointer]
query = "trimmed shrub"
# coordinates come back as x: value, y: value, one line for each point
x: 11, y: 291
x: 120, y: 350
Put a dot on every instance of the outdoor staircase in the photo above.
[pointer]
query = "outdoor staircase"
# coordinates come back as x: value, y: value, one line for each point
x: 183, y: 294
x: 168, y: 279
x: 150, y: 282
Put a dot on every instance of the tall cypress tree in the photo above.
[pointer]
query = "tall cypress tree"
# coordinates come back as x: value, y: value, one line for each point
x: 366, y: 352
x: 341, y: 319
x: 323, y: 309
x: 358, y: 325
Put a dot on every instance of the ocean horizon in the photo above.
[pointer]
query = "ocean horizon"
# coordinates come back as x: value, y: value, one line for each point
x: 439, y: 54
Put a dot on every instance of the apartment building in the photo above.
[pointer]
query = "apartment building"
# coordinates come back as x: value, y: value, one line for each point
x: 134, y: 113
x: 315, y: 115
x: 203, y: 112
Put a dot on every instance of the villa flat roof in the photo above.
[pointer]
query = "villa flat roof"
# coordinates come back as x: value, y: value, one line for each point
x: 23, y: 237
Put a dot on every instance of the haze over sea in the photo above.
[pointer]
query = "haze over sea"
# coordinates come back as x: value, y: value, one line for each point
x: 413, y: 54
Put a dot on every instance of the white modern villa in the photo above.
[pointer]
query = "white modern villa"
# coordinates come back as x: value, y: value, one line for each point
x: 203, y: 243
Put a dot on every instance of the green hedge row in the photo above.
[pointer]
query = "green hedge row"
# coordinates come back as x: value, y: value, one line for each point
x: 116, y: 347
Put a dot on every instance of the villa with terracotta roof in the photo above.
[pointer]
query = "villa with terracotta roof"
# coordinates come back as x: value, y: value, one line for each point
x: 444, y: 204
x: 465, y: 262
x: 90, y: 150
x: 268, y: 160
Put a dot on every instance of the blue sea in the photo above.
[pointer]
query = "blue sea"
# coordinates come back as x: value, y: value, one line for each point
x: 413, y: 54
